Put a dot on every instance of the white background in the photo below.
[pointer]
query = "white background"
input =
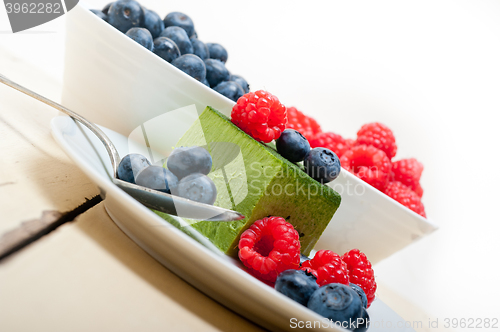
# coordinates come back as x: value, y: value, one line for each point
x: 430, y: 70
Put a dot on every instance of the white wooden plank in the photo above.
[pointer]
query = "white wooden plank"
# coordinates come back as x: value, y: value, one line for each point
x: 89, y: 276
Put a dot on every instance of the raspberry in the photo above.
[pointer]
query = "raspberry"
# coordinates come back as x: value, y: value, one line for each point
x: 369, y: 164
x: 269, y: 247
x: 260, y: 115
x: 419, y: 191
x: 405, y: 196
x: 408, y: 172
x: 361, y: 272
x: 379, y: 136
x: 327, y: 267
x: 304, y: 124
x: 331, y: 141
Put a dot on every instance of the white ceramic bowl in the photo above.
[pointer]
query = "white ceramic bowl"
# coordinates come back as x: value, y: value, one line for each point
x: 120, y: 85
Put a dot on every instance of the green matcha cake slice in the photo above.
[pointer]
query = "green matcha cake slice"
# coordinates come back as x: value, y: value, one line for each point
x: 256, y: 181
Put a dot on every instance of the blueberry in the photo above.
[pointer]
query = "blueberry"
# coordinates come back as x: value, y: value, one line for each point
x: 361, y: 294
x: 199, y: 48
x: 153, y: 22
x: 166, y: 49
x: 364, y: 322
x: 217, y: 51
x: 191, y: 65
x: 179, y: 20
x: 205, y: 82
x: 292, y: 145
x: 297, y: 285
x: 231, y: 90
x: 158, y: 178
x: 198, y: 187
x: 322, y: 165
x: 141, y: 36
x: 337, y: 302
x: 241, y: 81
x: 130, y: 166
x: 126, y: 14
x: 187, y: 160
x: 105, y: 10
x: 100, y: 14
x: 181, y: 39
x: 216, y: 72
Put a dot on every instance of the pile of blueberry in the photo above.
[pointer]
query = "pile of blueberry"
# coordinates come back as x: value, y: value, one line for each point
x: 321, y: 164
x: 175, y: 40
x: 185, y: 175
x: 343, y: 305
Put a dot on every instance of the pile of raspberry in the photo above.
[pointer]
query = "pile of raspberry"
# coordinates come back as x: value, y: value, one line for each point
x: 271, y: 246
x: 369, y: 157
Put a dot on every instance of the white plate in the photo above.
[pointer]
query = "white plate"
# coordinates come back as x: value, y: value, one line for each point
x: 115, y: 82
x: 215, y: 274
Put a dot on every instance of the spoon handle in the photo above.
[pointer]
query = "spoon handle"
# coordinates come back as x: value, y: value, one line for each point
x: 110, y: 148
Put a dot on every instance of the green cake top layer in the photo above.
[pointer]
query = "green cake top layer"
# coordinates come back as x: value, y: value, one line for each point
x: 256, y: 181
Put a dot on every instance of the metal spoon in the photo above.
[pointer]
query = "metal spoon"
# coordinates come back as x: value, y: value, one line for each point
x: 153, y: 199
